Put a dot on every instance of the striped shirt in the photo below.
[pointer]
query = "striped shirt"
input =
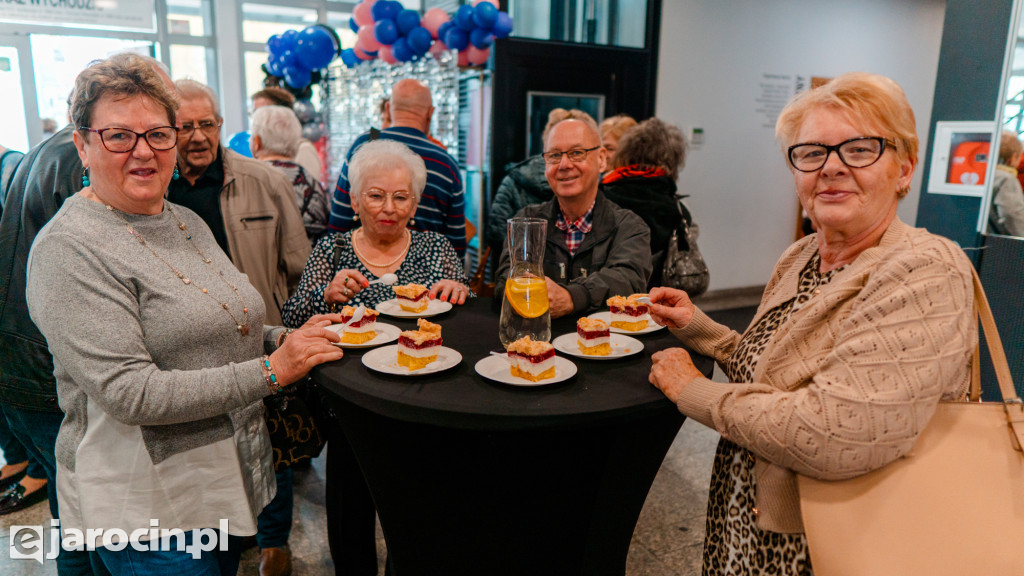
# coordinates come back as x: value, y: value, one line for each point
x: 441, y: 208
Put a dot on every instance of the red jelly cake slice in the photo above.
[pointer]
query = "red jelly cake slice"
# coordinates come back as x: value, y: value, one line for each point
x: 417, y: 348
x: 412, y: 297
x: 360, y: 331
x: 627, y: 313
x: 532, y: 359
x: 593, y: 337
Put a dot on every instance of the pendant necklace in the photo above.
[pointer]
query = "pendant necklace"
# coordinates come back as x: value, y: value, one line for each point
x: 355, y: 247
x: 243, y: 325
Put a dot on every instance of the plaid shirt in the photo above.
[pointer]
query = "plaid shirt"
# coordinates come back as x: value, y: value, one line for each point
x: 577, y: 230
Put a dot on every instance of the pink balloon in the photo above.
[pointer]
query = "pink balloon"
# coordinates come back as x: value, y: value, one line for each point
x: 476, y: 56
x: 385, y: 54
x: 361, y: 54
x: 438, y: 48
x: 463, y: 58
x: 367, y: 40
x: 495, y: 2
x: 433, y: 19
x: 362, y: 15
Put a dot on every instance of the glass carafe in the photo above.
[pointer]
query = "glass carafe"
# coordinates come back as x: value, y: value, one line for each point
x: 524, y: 308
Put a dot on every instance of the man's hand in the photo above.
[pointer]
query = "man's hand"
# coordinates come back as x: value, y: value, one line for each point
x: 559, y: 300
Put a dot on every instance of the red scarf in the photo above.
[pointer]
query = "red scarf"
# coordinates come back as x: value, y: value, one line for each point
x: 634, y: 171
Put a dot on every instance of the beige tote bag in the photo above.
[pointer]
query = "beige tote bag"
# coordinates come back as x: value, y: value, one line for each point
x: 953, y: 506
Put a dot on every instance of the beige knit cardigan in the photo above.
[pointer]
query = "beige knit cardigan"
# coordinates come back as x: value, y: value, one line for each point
x: 849, y: 381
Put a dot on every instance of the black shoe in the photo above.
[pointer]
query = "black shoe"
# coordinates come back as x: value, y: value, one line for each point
x: 16, y: 499
x: 6, y: 483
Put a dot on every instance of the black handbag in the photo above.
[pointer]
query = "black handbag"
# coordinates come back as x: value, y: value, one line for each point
x: 294, y: 423
x: 684, y: 267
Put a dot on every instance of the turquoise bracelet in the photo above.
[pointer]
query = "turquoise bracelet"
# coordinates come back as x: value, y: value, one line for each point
x: 269, y: 375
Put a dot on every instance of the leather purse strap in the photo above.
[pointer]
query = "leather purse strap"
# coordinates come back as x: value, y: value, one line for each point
x: 1012, y: 404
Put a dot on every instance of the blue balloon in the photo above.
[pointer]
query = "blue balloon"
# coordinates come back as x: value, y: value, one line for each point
x: 284, y: 60
x: 481, y: 37
x: 464, y: 17
x: 240, y: 143
x: 485, y: 15
x: 385, y: 10
x: 385, y: 30
x: 419, y: 39
x: 402, y: 50
x: 274, y: 44
x: 456, y: 38
x: 297, y: 77
x: 406, y: 21
x: 352, y: 25
x: 315, y: 48
x: 288, y: 39
x: 349, y: 58
x: 443, y: 29
x: 503, y: 26
x: 272, y: 67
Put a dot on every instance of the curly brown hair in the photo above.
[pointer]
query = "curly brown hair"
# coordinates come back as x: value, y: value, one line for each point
x: 652, y: 143
x: 126, y: 74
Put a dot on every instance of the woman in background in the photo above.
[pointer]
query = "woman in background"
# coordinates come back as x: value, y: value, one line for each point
x: 612, y: 130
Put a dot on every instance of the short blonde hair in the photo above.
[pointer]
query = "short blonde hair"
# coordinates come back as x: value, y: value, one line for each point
x: 875, y: 101
x: 616, y: 126
x: 381, y: 155
x: 279, y: 130
x: 1009, y: 146
x: 561, y: 114
x: 124, y: 74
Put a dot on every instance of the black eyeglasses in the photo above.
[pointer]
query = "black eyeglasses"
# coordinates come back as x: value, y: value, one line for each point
x: 577, y: 155
x: 855, y: 153
x: 121, y: 140
x: 209, y: 128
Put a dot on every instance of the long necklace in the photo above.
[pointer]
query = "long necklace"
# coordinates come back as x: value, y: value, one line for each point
x: 355, y: 246
x: 243, y: 326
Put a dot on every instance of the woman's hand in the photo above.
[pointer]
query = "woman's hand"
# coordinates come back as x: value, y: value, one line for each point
x: 449, y: 291
x: 344, y: 287
x: 671, y: 307
x: 306, y: 347
x: 672, y: 370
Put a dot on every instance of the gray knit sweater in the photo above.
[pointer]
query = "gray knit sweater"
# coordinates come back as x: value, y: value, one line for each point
x: 148, y: 366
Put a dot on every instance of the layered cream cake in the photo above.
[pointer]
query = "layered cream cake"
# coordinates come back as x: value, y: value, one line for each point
x: 412, y: 297
x: 362, y: 330
x: 417, y: 348
x: 627, y: 313
x: 532, y: 359
x: 593, y: 337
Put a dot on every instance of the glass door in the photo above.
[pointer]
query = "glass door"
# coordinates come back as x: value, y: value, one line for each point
x: 17, y: 98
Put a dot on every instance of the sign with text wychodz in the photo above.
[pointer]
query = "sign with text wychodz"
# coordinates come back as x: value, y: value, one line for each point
x: 136, y: 14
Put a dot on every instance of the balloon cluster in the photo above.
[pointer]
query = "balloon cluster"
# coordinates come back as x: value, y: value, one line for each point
x: 295, y: 56
x: 393, y: 34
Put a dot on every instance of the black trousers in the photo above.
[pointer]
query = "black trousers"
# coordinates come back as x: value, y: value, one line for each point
x: 351, y: 513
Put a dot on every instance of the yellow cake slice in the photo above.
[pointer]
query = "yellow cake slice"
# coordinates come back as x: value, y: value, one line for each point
x: 412, y: 297
x: 593, y: 337
x: 418, y: 348
x: 532, y: 359
x: 363, y: 330
x: 627, y: 313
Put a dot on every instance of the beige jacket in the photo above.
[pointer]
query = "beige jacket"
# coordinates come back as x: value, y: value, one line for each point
x: 265, y: 233
x: 846, y: 385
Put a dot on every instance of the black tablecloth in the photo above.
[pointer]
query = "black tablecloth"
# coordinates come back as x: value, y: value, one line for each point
x: 461, y: 398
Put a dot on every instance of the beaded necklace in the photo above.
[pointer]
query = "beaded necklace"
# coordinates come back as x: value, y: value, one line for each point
x: 355, y: 246
x: 243, y: 326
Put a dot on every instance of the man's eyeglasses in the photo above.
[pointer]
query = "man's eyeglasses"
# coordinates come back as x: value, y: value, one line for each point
x: 576, y: 156
x: 375, y: 198
x: 855, y: 153
x: 209, y: 128
x: 121, y: 140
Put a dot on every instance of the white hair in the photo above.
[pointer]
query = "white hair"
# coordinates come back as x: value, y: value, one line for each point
x: 278, y: 128
x: 383, y: 155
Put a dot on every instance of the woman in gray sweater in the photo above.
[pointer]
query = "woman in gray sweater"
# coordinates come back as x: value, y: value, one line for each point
x: 160, y: 353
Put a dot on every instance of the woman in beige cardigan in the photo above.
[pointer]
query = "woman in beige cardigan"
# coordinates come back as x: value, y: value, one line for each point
x: 862, y: 329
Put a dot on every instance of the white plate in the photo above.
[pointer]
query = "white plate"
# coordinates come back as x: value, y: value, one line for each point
x: 497, y: 368
x: 386, y: 360
x: 434, y: 307
x: 385, y: 333
x: 621, y: 346
x: 606, y: 316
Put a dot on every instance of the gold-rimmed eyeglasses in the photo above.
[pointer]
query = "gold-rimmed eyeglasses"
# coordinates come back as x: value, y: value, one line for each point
x: 209, y: 128
x: 375, y: 198
x: 577, y: 155
x: 121, y: 140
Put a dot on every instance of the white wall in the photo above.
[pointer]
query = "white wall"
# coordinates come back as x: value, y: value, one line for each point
x: 711, y: 64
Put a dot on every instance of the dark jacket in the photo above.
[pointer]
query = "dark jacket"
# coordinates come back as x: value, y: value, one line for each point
x: 614, y: 258
x: 524, y: 185
x: 654, y: 200
x: 46, y: 176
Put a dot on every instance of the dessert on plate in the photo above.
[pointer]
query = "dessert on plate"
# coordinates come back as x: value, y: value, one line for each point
x: 412, y: 297
x: 362, y: 330
x: 627, y: 313
x: 593, y: 337
x: 532, y: 359
x: 417, y: 348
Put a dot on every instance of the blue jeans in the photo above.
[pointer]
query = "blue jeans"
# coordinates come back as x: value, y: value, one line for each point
x: 15, y: 453
x: 37, y: 432
x: 275, y: 522
x: 132, y: 562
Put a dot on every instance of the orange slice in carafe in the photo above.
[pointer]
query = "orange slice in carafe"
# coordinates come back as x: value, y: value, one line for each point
x: 528, y: 296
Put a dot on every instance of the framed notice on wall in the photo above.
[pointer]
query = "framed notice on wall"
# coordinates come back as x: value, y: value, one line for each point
x: 960, y: 158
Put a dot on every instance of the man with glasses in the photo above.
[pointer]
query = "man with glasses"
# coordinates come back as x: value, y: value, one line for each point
x: 595, y: 249
x: 442, y: 208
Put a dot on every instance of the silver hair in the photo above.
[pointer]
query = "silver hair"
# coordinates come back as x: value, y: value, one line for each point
x: 278, y: 128
x: 383, y: 155
x: 189, y: 89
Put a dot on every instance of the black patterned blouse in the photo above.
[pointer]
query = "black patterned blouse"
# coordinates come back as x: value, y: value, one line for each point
x: 431, y: 258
